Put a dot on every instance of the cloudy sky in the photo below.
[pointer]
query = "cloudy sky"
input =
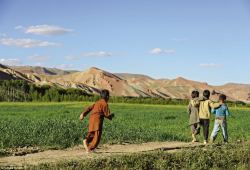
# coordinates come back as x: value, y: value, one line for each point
x: 205, y: 40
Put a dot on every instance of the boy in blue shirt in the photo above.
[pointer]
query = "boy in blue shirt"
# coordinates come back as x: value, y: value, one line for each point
x: 220, y: 119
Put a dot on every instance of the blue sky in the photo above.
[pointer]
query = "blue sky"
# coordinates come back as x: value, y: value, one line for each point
x: 205, y: 40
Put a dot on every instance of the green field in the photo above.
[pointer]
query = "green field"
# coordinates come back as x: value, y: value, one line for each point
x: 57, y: 125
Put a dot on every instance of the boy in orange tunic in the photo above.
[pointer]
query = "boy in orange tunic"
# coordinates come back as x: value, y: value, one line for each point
x: 99, y: 111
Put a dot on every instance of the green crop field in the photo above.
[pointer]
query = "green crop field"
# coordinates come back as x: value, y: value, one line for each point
x: 57, y: 125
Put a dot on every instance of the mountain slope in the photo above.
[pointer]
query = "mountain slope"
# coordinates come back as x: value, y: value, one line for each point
x: 237, y: 91
x: 7, y: 73
x: 96, y: 79
x: 41, y: 70
x: 122, y: 84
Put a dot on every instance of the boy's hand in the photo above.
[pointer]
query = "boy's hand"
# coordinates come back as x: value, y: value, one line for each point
x: 112, y: 116
x: 81, y: 117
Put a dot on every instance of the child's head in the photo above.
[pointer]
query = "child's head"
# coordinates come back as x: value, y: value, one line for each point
x: 194, y: 94
x: 105, y: 94
x: 206, y: 94
x: 222, y: 98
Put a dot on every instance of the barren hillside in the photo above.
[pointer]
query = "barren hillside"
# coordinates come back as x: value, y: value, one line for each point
x: 121, y: 84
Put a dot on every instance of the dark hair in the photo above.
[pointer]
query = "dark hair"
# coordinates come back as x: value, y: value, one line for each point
x: 195, y: 94
x: 222, y: 97
x: 104, y: 94
x: 206, y: 94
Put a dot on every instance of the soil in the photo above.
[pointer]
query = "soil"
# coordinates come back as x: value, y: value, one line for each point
x: 78, y: 153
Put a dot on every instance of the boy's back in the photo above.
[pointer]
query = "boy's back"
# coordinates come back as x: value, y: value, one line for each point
x: 99, y: 109
x: 193, y: 110
x: 221, y: 112
x: 205, y: 108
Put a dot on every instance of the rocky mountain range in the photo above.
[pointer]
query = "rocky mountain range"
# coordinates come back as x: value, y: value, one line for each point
x: 121, y: 84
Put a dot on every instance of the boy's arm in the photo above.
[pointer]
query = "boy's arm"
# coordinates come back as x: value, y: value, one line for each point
x: 189, y: 109
x: 227, y: 112
x: 197, y: 102
x: 106, y: 112
x: 213, y: 111
x: 86, y: 112
x: 214, y: 105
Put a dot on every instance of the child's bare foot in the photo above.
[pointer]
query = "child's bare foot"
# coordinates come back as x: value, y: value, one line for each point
x: 193, y: 141
x: 90, y: 151
x: 194, y: 138
x: 85, y: 145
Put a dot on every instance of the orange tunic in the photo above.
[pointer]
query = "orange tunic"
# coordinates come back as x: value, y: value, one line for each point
x: 99, y: 110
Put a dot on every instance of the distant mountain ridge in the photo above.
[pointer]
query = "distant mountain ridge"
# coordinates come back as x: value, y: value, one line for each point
x: 41, y: 70
x: 120, y: 84
x: 7, y: 73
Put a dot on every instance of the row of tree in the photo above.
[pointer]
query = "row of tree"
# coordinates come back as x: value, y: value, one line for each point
x: 18, y: 90
x: 22, y: 91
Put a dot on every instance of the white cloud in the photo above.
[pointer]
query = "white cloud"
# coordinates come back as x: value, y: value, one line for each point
x: 26, y: 43
x: 65, y: 66
x: 210, y: 65
x: 158, y: 51
x: 38, y: 64
x: 38, y: 58
x: 10, y: 61
x: 3, y: 35
x: 71, y: 57
x: 90, y: 54
x: 44, y: 30
x: 97, y: 54
x: 19, y: 27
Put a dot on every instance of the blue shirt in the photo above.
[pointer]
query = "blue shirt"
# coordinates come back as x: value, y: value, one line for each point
x: 222, y: 111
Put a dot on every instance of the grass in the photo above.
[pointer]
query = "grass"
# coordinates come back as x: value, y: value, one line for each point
x: 219, y: 157
x: 57, y: 125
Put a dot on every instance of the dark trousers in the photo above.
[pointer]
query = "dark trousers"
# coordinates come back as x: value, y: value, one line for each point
x: 195, y: 128
x: 204, y: 123
x: 93, y: 139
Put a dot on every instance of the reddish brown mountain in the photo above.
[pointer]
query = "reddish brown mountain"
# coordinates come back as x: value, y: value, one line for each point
x: 122, y: 84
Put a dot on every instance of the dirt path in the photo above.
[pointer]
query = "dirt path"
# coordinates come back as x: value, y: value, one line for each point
x: 78, y: 153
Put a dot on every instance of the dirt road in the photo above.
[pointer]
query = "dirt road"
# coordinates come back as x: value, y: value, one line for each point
x: 78, y: 153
